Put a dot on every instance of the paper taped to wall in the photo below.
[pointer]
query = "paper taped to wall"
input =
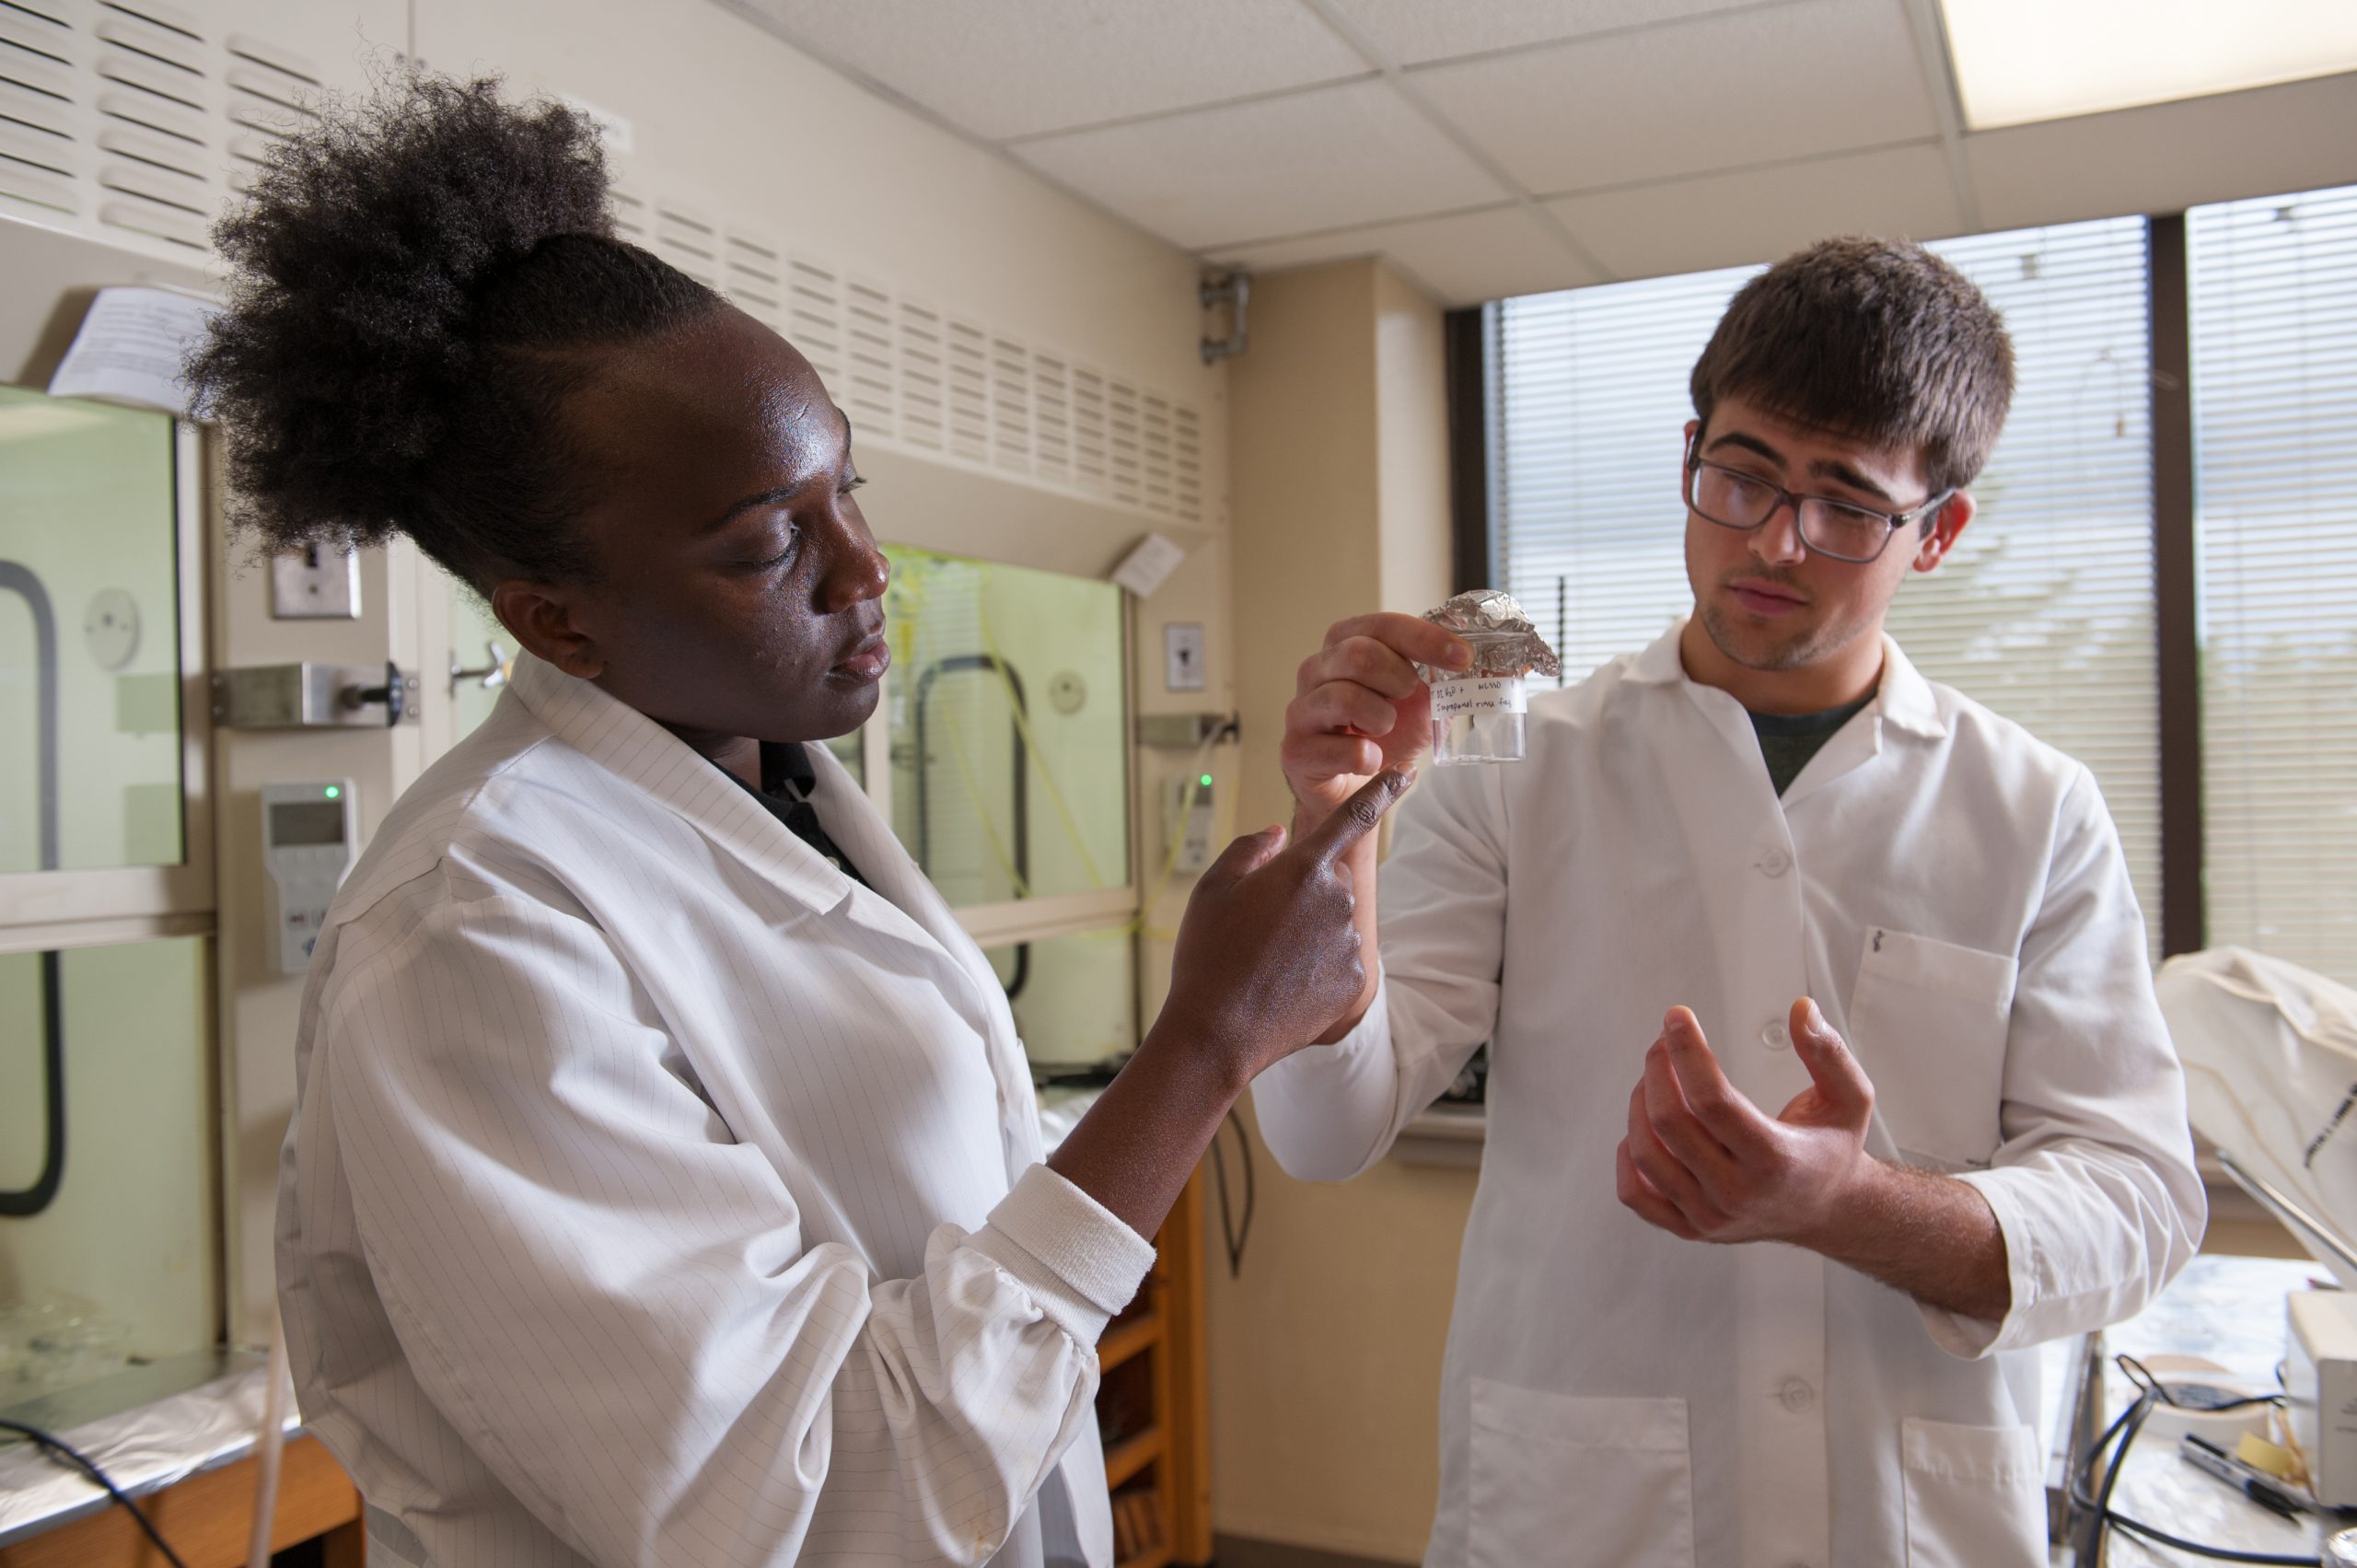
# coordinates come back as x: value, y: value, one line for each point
x: 130, y: 348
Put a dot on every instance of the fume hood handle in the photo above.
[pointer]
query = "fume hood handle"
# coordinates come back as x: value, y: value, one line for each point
x: 392, y: 693
x: 493, y: 674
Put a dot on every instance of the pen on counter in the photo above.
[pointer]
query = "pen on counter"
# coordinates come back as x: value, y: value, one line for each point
x: 2256, y: 1485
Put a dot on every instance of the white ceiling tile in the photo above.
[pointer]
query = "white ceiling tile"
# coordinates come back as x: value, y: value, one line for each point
x: 1725, y: 220
x: 1323, y: 160
x: 1415, y: 32
x: 997, y: 71
x: 1462, y: 259
x: 2300, y: 136
x: 1749, y: 86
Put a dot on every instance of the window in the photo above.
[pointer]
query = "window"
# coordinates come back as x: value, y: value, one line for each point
x: 2273, y: 286
x: 2044, y: 611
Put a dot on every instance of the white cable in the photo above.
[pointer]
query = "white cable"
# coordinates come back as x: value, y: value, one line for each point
x: 270, y: 1445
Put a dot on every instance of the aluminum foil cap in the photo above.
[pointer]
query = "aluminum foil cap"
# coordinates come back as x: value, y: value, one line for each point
x: 1505, y: 641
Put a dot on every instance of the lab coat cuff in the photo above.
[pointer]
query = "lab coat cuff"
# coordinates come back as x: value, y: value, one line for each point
x: 1972, y: 1339
x: 1083, y: 1264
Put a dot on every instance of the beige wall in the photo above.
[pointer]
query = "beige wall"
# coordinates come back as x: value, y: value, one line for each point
x: 1325, y: 1354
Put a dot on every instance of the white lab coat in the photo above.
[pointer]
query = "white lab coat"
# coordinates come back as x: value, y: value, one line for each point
x: 1952, y: 893
x: 657, y: 1195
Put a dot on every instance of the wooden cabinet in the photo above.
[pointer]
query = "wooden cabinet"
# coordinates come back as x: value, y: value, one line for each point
x: 1152, y: 1402
x: 209, y: 1519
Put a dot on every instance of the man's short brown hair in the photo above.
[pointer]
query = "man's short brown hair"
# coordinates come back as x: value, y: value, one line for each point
x: 1874, y: 340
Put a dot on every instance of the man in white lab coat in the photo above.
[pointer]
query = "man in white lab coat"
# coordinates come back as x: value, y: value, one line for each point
x: 1751, y: 1279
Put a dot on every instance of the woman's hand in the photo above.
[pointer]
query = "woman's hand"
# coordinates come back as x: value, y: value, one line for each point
x: 1269, y: 954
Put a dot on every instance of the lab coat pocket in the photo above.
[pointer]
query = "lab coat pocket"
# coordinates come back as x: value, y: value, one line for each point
x: 1578, y: 1482
x: 1976, y: 1495
x: 1929, y: 1021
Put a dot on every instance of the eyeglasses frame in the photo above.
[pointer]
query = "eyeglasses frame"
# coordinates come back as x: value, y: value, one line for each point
x: 1696, y: 462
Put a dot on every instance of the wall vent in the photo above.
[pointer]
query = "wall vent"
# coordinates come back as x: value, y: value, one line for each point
x: 138, y: 121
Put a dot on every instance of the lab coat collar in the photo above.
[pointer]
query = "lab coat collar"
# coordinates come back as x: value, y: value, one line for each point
x: 908, y: 908
x: 1904, y: 699
x: 623, y: 739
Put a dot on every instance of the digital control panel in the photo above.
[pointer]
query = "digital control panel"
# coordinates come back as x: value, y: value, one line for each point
x: 308, y: 835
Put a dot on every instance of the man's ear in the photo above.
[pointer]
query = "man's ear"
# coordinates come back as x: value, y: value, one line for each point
x: 1953, y: 518
x: 545, y: 618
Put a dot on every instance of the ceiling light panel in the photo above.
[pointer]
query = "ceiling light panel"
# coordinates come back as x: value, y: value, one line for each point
x: 2020, y: 61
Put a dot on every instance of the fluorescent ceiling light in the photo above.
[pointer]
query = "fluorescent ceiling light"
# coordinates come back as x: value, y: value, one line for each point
x: 2018, y: 61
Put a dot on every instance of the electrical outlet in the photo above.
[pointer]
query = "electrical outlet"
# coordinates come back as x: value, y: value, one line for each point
x: 1183, y: 656
x: 315, y: 584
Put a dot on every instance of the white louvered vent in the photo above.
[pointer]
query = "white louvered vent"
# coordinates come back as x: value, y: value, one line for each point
x: 1091, y: 449
x: 866, y: 387
x: 43, y: 62
x: 270, y: 95
x: 1125, y: 459
x: 633, y: 220
x: 753, y: 275
x: 157, y: 89
x: 689, y: 241
x: 924, y: 378
x: 139, y: 121
x: 969, y: 391
x: 1052, y: 419
x: 814, y: 320
x: 1011, y: 411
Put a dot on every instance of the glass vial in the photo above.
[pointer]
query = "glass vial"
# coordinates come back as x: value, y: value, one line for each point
x: 1478, y: 717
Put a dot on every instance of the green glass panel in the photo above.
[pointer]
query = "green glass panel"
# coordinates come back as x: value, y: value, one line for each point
x: 120, y: 1263
x: 1075, y: 997
x: 89, y: 637
x: 1008, y: 708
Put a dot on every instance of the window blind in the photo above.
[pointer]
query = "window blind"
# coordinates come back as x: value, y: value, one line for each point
x: 2273, y: 284
x: 2044, y: 611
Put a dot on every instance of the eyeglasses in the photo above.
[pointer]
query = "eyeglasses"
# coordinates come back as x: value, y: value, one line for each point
x: 1836, y: 529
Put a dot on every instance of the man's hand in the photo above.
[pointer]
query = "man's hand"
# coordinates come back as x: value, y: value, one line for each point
x: 1361, y: 706
x: 1702, y: 1162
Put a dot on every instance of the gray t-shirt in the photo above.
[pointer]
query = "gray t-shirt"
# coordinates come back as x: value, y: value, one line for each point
x: 1788, y: 740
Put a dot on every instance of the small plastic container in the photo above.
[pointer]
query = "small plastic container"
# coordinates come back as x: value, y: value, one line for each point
x: 1478, y: 717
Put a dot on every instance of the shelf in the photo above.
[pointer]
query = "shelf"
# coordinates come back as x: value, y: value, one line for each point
x: 1125, y: 1340
x: 1127, y: 1458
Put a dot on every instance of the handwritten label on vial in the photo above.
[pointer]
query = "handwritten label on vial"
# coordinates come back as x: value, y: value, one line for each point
x: 1477, y: 694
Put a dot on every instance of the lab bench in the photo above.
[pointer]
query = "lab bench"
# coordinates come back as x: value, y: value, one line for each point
x: 2224, y: 1309
x: 187, y: 1456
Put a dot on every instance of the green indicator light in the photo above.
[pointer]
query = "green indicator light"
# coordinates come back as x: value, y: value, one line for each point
x: 1207, y: 781
x: 334, y: 791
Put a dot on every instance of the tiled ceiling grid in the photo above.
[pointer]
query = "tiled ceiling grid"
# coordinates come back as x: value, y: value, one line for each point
x: 1492, y: 147
x: 137, y: 121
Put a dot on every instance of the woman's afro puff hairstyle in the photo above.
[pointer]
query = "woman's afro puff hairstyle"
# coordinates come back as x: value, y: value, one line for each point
x: 418, y: 279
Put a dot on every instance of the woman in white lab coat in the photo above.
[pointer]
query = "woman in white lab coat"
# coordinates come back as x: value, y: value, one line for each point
x: 665, y: 1182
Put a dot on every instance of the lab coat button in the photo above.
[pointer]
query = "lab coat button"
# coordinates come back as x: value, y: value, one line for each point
x: 1773, y: 861
x: 1776, y: 1036
x: 1796, y: 1396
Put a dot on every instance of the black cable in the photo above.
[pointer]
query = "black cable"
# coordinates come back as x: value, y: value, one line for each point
x: 57, y: 1448
x: 2125, y: 1427
x: 1232, y: 1237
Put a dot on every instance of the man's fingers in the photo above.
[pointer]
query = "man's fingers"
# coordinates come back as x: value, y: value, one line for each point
x: 1717, y: 1104
x: 1830, y: 1065
x: 1639, y: 1195
x: 1344, y: 705
x: 1355, y: 818
x: 1321, y: 757
x: 1659, y: 1164
x: 1411, y: 636
x: 1680, y: 1130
